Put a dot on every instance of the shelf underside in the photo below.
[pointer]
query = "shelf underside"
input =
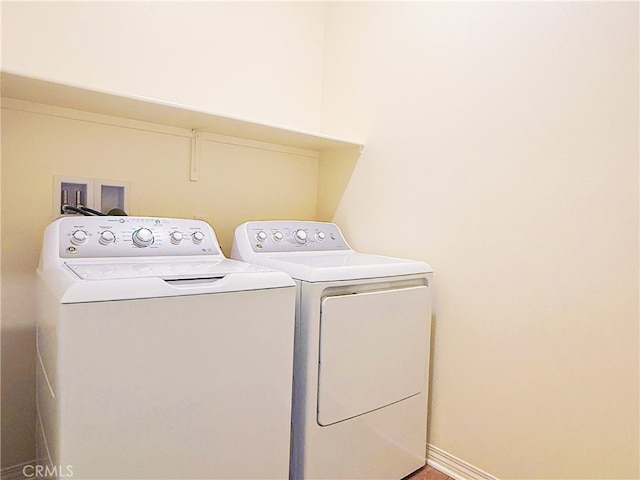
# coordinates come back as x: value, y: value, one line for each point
x: 148, y: 110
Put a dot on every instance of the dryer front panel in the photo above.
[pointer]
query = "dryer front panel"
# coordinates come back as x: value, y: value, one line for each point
x: 374, y: 350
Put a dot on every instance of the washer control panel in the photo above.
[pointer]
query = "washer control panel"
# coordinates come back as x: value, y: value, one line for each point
x: 294, y: 236
x: 85, y: 237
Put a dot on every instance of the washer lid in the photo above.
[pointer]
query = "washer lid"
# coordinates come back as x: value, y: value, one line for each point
x: 81, y: 282
x: 335, y: 266
x: 167, y: 270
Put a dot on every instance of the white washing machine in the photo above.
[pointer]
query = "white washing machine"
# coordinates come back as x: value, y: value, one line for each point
x: 361, y: 365
x: 158, y: 358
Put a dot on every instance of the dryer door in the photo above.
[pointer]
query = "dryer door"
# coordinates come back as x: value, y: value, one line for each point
x: 374, y: 350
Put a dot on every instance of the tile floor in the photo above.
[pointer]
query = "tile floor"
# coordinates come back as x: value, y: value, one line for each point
x: 428, y: 473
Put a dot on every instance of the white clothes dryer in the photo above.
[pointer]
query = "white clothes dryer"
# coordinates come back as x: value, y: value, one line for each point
x: 158, y: 358
x: 362, y: 349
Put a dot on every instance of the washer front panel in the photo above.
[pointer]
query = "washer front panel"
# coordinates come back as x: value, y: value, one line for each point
x: 373, y: 351
x: 107, y: 236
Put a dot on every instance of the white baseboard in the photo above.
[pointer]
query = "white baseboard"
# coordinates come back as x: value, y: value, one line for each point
x: 16, y: 472
x: 453, y: 466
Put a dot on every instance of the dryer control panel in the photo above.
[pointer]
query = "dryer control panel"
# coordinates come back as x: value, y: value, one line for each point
x: 110, y: 236
x: 294, y: 236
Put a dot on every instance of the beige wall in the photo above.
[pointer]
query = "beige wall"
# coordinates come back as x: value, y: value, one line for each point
x: 255, y: 60
x: 502, y: 147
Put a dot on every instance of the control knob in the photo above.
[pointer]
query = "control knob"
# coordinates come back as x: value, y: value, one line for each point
x: 197, y: 237
x: 261, y: 236
x: 175, y: 237
x: 320, y: 236
x: 277, y: 236
x: 107, y: 237
x: 79, y: 237
x: 300, y: 236
x: 143, y: 237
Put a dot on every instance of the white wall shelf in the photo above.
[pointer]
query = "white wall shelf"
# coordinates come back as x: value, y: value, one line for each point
x: 153, y: 111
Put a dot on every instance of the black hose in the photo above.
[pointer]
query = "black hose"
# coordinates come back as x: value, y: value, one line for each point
x: 92, y: 211
x: 66, y: 208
